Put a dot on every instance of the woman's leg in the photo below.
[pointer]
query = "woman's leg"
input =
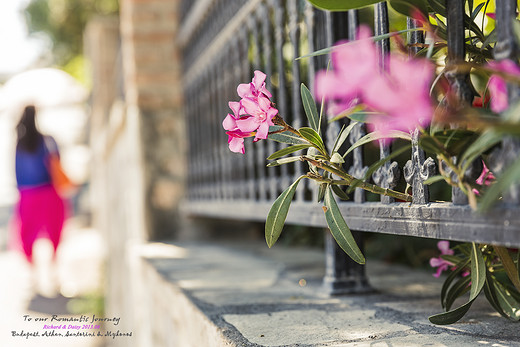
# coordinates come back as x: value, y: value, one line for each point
x: 30, y: 221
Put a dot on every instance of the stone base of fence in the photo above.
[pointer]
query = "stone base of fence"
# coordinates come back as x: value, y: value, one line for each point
x: 245, y: 294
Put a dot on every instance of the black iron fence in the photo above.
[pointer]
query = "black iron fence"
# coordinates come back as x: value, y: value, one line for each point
x: 224, y: 41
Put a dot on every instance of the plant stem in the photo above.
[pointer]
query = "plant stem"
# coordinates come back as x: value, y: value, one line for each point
x: 349, y: 180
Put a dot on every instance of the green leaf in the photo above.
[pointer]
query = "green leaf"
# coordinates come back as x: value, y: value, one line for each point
x: 327, y: 50
x: 401, y: 6
x: 310, y: 108
x: 491, y: 295
x: 509, y: 265
x: 478, y: 278
x: 509, y: 177
x: 406, y: 7
x: 340, y: 230
x: 313, y: 137
x: 343, y: 135
x: 321, y: 191
x: 278, y: 213
x: 434, y: 179
x: 283, y: 161
x: 484, y: 142
x: 341, y: 5
x: 452, y: 316
x: 287, y: 150
x: 288, y: 138
x: 478, y: 271
x: 475, y: 12
x: 459, y: 267
x: 510, y: 306
x: 457, y: 290
x: 377, y: 136
x: 339, y: 192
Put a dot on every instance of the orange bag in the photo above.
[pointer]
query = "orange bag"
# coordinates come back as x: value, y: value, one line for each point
x: 59, y: 178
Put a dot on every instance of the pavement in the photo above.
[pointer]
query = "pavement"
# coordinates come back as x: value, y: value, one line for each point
x: 254, y: 296
x: 30, y: 298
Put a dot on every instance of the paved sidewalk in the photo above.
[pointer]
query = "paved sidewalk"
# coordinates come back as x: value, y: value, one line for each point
x: 79, y: 266
x: 254, y: 296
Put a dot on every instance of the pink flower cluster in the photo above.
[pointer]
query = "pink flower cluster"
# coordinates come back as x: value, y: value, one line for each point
x: 399, y: 96
x: 252, y: 115
x: 498, y: 86
x: 485, y: 179
x: 439, y: 263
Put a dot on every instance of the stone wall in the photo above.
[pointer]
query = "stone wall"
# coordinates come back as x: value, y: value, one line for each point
x: 138, y: 145
x: 152, y: 70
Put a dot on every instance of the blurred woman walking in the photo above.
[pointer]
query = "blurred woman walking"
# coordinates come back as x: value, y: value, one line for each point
x: 40, y: 211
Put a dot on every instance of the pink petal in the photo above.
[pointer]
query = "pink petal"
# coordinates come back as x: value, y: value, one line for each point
x: 262, y: 132
x: 235, y: 107
x: 264, y: 103
x: 229, y: 122
x: 444, y: 247
x: 270, y: 114
x: 236, y: 144
x: 248, y: 124
x: 258, y: 79
x: 250, y: 107
x: 498, y: 94
x: 244, y: 90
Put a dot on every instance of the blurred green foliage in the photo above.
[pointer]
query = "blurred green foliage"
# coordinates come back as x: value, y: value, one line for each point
x: 64, y: 21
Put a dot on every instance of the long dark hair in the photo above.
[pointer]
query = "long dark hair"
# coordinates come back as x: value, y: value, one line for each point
x: 28, y: 135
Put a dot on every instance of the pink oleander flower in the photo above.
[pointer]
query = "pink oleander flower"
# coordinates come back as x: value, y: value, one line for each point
x: 485, y: 178
x: 497, y: 86
x: 235, y: 135
x: 251, y: 116
x: 406, y: 101
x: 254, y: 89
x: 439, y: 263
x: 353, y: 65
x: 261, y: 116
x: 399, y: 102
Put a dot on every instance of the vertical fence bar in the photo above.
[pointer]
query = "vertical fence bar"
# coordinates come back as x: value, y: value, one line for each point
x: 507, y: 48
x: 342, y: 274
x: 418, y: 169
x: 459, y: 81
x: 387, y: 176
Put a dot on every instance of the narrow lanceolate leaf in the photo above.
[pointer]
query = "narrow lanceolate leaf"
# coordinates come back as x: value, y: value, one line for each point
x: 458, y: 289
x: 491, y: 295
x: 313, y: 137
x: 287, y: 150
x: 459, y: 267
x: 478, y: 279
x: 278, y: 213
x: 283, y: 161
x: 288, y: 138
x: 339, y: 192
x: 478, y: 271
x: 340, y: 230
x: 310, y: 108
x: 434, y: 179
x: 343, y: 135
x: 506, y: 301
x: 378, y: 136
x: 509, y: 265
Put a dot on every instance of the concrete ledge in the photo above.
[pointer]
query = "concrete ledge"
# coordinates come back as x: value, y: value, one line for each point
x: 248, y: 295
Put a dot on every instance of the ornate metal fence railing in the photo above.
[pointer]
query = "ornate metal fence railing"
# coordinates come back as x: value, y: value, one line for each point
x: 224, y: 41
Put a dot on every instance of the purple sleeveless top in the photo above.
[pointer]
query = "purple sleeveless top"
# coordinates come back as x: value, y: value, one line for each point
x: 31, y: 168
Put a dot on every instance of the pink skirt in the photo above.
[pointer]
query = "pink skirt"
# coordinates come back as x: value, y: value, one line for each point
x: 40, y: 212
